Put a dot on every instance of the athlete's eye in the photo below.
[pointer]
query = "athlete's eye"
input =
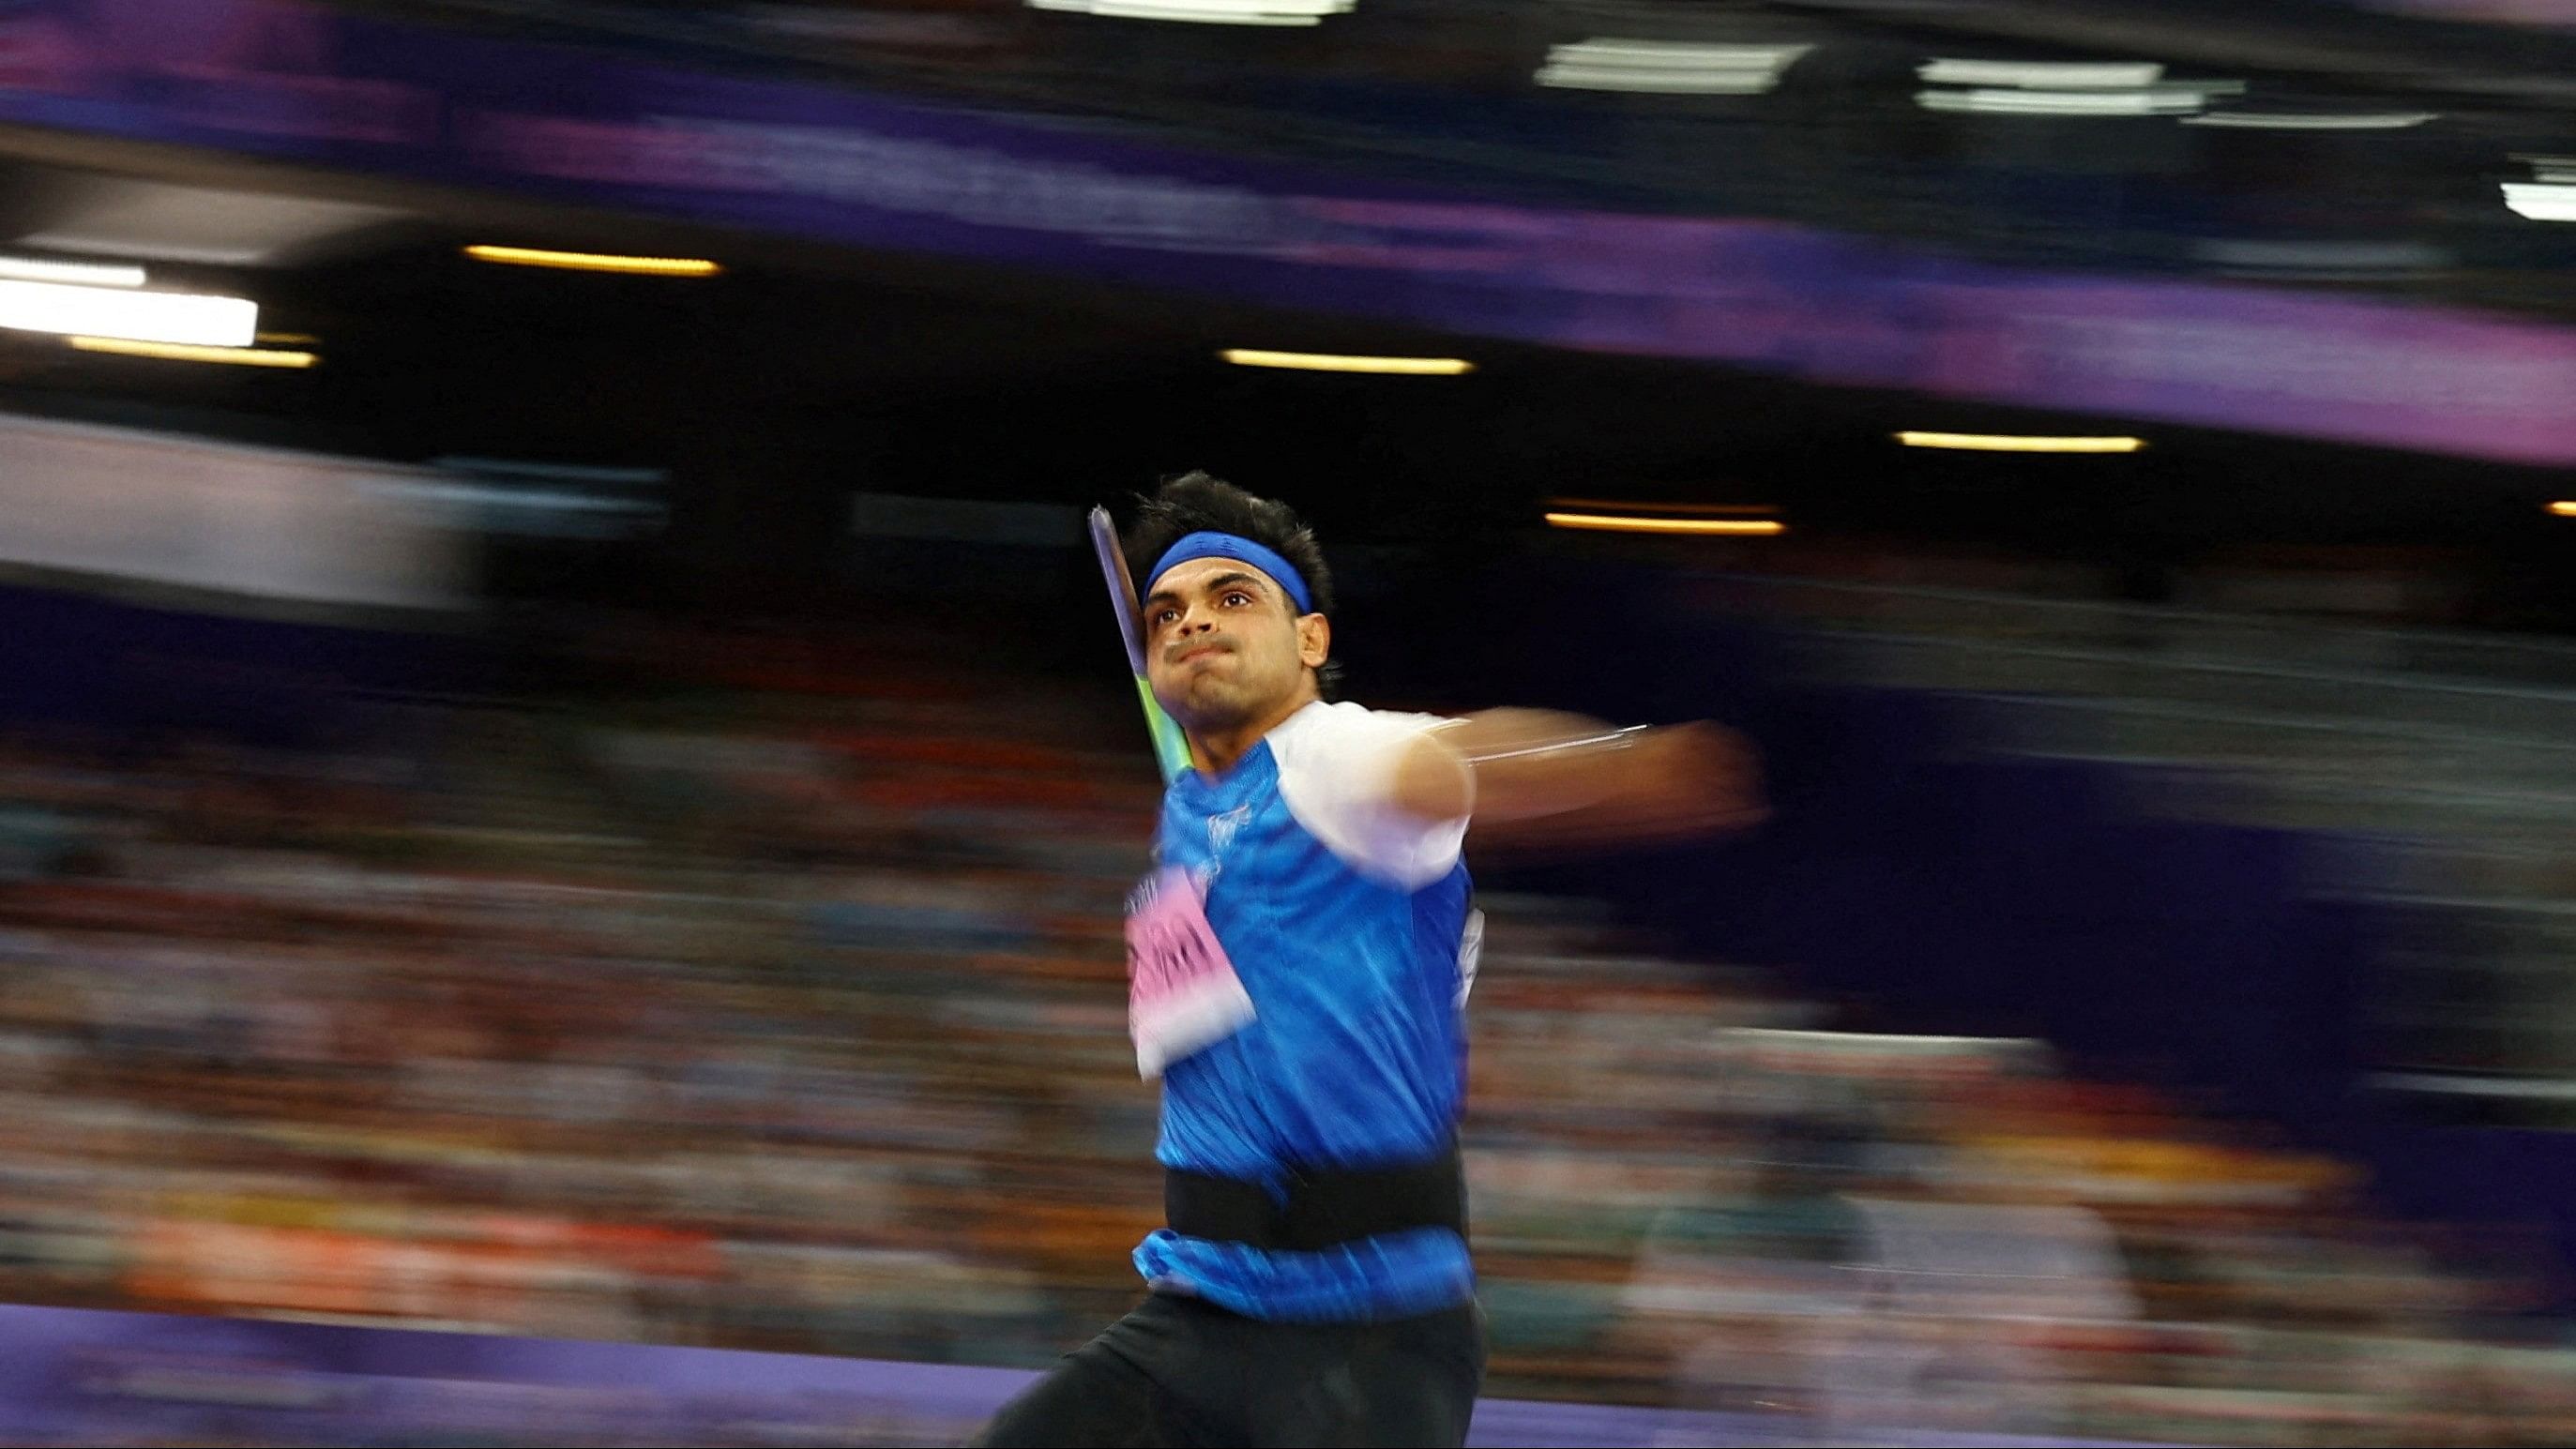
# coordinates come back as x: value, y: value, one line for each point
x: 1238, y: 598
x: 1165, y: 615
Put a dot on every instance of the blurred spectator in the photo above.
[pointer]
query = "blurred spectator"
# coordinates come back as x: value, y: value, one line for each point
x: 782, y: 1010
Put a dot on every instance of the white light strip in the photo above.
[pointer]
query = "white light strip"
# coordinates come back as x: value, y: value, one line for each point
x: 1678, y: 55
x: 1718, y: 83
x: 1204, y: 12
x: 1193, y: 15
x: 79, y: 274
x: 1791, y: 1037
x: 2541, y: 200
x: 183, y: 317
x: 2159, y: 102
x: 1670, y: 67
x: 2543, y: 1089
x: 1332, y: 362
x: 2344, y: 258
x: 2048, y: 75
x: 2291, y: 121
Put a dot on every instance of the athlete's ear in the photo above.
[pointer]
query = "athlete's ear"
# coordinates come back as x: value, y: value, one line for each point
x: 1314, y: 640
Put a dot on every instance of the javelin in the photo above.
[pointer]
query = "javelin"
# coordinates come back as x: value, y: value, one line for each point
x: 1171, y: 752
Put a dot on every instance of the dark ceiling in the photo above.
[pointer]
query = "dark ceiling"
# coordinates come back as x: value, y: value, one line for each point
x: 804, y: 372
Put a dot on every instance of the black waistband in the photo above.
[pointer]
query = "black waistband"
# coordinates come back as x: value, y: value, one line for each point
x: 1323, y: 1208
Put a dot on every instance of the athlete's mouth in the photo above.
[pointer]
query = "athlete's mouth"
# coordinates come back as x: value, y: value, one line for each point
x: 1195, y: 650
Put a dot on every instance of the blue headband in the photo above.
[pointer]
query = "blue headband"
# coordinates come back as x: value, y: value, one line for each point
x: 1241, y: 550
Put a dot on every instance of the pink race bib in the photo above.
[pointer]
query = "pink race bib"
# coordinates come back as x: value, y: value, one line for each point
x: 1182, y: 993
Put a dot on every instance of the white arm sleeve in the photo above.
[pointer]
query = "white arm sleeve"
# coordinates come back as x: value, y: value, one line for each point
x: 1337, y: 765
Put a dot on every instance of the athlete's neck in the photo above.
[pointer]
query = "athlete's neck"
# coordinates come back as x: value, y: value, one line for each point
x: 1213, y: 752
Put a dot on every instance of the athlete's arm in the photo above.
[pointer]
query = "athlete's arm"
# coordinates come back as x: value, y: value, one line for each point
x: 1539, y: 777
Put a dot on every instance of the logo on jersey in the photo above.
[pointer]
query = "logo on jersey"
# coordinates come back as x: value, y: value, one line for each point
x: 1471, y: 954
x: 1223, y: 828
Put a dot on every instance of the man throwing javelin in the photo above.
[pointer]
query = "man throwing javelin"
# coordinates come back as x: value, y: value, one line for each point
x: 1300, y: 963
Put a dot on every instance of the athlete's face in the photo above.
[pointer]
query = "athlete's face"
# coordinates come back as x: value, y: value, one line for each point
x: 1225, y: 645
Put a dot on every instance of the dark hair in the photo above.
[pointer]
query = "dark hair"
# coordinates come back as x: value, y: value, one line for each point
x: 1199, y: 502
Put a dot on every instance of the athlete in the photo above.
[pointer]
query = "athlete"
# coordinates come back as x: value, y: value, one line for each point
x: 1300, y: 963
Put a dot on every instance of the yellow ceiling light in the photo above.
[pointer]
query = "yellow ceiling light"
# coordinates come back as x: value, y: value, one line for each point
x: 1624, y: 523
x: 1331, y: 362
x: 187, y: 352
x: 2010, y: 443
x: 595, y: 262
x: 2564, y: 507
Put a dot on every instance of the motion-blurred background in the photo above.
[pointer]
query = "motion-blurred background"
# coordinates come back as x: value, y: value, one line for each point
x: 566, y: 782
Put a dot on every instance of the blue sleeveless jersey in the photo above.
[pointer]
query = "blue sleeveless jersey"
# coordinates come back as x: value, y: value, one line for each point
x: 1349, y: 925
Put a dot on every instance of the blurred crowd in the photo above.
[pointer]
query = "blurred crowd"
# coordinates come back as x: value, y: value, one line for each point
x: 779, y: 1005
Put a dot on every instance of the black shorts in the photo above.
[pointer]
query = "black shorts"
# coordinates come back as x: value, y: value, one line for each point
x: 1178, y: 1371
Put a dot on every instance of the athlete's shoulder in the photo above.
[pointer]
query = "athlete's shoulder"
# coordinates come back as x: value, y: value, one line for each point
x: 1337, y: 765
x: 1322, y: 730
